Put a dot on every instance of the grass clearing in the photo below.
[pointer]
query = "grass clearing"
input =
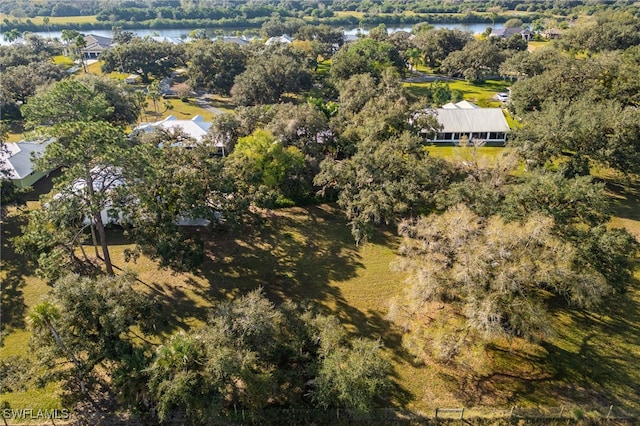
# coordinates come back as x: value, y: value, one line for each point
x: 309, y: 254
x: 187, y: 110
x: 482, y: 94
x: 63, y: 60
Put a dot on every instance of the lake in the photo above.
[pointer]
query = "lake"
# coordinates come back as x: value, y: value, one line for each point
x: 183, y: 34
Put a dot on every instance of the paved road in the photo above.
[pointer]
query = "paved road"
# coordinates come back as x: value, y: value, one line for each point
x: 420, y: 77
x: 203, y: 102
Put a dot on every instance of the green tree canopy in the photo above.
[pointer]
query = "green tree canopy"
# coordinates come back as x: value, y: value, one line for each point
x: 365, y: 56
x: 144, y: 57
x: 66, y: 101
x: 88, y: 321
x: 271, y: 72
x: 265, y: 168
x: 213, y: 66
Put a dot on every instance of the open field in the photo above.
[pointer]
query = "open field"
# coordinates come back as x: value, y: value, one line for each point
x: 58, y: 19
x: 308, y: 254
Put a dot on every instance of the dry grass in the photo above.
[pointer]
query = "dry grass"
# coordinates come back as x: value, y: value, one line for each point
x: 57, y: 19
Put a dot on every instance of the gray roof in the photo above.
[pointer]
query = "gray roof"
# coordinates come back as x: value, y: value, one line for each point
x: 17, y: 157
x: 238, y: 40
x: 97, y: 43
x: 475, y: 120
x: 510, y: 32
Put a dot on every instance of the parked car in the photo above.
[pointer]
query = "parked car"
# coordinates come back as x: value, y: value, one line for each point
x: 502, y: 96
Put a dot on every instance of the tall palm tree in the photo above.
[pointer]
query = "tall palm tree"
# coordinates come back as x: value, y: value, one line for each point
x: 43, y: 317
x: 46, y: 21
x: 81, y: 43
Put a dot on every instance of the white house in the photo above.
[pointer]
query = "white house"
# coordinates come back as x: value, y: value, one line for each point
x: 17, y: 159
x: 465, y: 120
x: 283, y: 39
x: 195, y: 128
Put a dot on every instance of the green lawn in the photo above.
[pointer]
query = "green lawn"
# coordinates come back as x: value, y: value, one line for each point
x: 482, y: 94
x: 308, y: 254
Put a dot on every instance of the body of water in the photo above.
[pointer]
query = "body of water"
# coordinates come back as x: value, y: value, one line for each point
x: 183, y: 34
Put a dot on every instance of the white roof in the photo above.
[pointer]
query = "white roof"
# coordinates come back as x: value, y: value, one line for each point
x: 460, y: 105
x: 17, y: 157
x: 460, y: 120
x: 196, y: 128
x: 280, y: 39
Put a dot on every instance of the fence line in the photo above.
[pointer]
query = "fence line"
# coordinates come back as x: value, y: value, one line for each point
x: 296, y: 416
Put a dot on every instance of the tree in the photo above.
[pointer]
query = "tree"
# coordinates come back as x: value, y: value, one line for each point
x: 42, y: 317
x: 477, y: 59
x: 67, y: 100
x: 500, y: 276
x: 81, y: 43
x: 12, y: 35
x: 68, y: 37
x: 570, y: 127
x: 120, y: 36
x: 253, y: 354
x: 19, y: 83
x: 513, y: 23
x: 365, y: 56
x: 172, y: 183
x: 385, y: 181
x: 213, y: 66
x: 437, y: 44
x: 266, y: 169
x: 89, y: 322
x: 607, y: 30
x: 353, y: 377
x: 326, y: 37
x: 125, y: 109
x: 144, y: 57
x: 268, y: 76
x: 7, y: 187
x: 90, y: 155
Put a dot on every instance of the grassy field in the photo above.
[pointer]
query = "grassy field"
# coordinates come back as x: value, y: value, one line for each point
x: 57, y: 19
x: 308, y: 254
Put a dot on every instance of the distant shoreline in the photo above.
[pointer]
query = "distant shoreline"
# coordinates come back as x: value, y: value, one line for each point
x: 336, y: 21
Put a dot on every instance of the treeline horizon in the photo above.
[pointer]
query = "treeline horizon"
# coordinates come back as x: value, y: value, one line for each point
x: 229, y: 14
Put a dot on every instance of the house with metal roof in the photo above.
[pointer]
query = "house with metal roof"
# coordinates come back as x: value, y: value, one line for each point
x: 17, y: 160
x: 96, y: 45
x: 196, y: 128
x: 465, y: 121
x: 283, y: 39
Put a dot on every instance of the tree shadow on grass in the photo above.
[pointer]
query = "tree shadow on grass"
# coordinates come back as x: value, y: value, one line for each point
x: 294, y: 254
x: 590, y: 362
x: 14, y: 269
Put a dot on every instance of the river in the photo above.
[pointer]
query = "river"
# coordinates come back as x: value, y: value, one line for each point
x: 183, y: 34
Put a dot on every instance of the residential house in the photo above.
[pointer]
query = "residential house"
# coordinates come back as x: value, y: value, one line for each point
x: 196, y: 129
x: 17, y: 160
x: 242, y: 41
x: 283, y: 39
x: 96, y: 45
x: 510, y: 32
x: 552, y: 33
x: 466, y: 121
